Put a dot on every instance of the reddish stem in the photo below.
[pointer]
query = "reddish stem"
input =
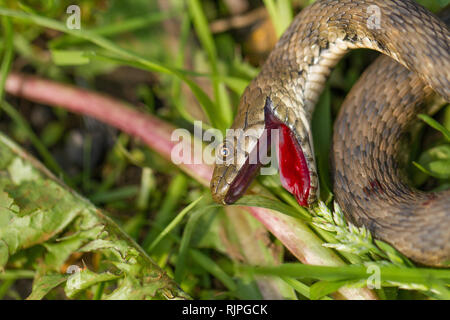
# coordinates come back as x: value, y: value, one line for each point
x: 154, y: 132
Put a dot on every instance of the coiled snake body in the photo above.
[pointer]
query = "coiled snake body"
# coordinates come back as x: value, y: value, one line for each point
x: 370, y: 132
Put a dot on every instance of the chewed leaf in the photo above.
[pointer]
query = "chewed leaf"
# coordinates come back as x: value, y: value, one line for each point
x: 40, y: 214
x: 83, y: 279
x: 20, y: 171
x: 43, y: 284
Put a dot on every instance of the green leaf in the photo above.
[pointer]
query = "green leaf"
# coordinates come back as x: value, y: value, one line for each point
x: 37, y: 143
x: 84, y: 279
x: 114, y: 29
x: 428, y: 277
x: 323, y: 288
x: 194, y: 217
x: 446, y: 121
x: 298, y: 286
x: 280, y: 12
x: 435, y: 162
x: 7, y: 54
x: 60, y: 251
x: 173, y: 224
x: 129, y: 58
x: 223, y: 109
x: 393, y: 255
x: 213, y: 268
x: 52, y: 133
x: 202, y: 28
x: 35, y: 209
x: 4, y: 254
x: 264, y: 202
x: 434, y: 5
x: 69, y: 57
x: 238, y: 85
x: 130, y: 289
x: 321, y: 131
x: 43, y: 284
x: 21, y: 172
x: 436, y: 125
x: 167, y: 211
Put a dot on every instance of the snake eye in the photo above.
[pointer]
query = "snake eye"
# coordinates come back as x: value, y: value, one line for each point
x: 224, y: 152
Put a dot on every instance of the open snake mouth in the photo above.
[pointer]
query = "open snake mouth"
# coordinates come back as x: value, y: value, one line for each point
x: 294, y: 172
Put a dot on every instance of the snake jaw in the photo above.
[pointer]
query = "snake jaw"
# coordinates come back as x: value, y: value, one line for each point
x: 244, y: 174
x: 230, y: 181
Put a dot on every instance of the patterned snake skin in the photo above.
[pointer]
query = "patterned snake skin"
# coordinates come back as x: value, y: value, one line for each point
x: 370, y: 132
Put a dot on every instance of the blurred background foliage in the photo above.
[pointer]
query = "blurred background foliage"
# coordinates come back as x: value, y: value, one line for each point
x: 217, y: 44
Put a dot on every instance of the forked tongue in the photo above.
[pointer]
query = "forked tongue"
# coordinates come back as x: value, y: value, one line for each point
x: 294, y: 173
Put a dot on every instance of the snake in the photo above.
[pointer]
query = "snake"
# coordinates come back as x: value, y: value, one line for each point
x: 372, y: 131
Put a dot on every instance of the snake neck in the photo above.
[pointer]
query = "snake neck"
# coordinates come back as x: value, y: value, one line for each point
x: 295, y: 73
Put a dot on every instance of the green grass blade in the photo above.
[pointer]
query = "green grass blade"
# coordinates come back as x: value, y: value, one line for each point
x: 321, y: 127
x: 436, y: 125
x: 17, y: 274
x: 298, y: 286
x: 285, y: 13
x: 213, y: 268
x: 129, y: 25
x: 424, y: 276
x: 5, y: 286
x: 125, y: 192
x: 264, y: 202
x: 7, y: 54
x: 223, y: 110
x: 203, y: 32
x: 238, y: 85
x: 280, y: 13
x: 322, y: 288
x: 202, y: 97
x: 69, y: 57
x: 179, y: 63
x: 174, y: 195
x: 130, y: 57
x: 37, y: 143
x: 180, y: 267
x: 272, y: 9
x: 173, y: 224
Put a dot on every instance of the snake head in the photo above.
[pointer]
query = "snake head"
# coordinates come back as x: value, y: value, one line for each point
x: 237, y: 158
x: 245, y: 149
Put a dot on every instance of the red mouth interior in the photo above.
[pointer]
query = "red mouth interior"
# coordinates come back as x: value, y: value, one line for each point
x: 294, y: 173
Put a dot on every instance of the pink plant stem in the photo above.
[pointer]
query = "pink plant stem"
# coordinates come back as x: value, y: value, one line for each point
x: 156, y: 133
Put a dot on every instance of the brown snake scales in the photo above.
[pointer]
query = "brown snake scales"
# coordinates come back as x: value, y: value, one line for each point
x: 371, y: 131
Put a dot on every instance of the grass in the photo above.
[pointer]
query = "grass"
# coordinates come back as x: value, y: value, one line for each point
x: 210, y: 251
